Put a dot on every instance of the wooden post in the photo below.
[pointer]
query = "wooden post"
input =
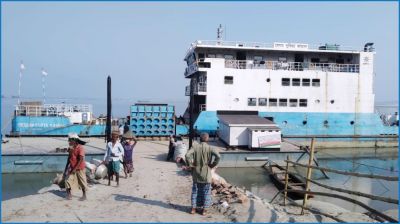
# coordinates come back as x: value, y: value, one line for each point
x: 286, y: 180
x: 309, y: 171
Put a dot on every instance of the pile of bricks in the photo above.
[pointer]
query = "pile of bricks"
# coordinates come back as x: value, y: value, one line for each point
x: 227, y: 192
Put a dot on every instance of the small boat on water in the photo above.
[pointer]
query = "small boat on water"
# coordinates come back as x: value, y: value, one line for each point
x: 277, y: 175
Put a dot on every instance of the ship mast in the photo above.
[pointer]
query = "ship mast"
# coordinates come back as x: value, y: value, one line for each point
x: 220, y: 31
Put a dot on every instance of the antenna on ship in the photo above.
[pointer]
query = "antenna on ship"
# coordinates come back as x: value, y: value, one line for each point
x: 21, y: 68
x: 219, y: 33
x: 44, y: 74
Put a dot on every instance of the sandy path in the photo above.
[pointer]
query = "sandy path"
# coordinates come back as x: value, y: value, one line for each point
x: 157, y: 192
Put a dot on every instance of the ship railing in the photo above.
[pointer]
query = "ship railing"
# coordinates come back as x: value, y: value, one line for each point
x: 187, y: 90
x: 29, y: 110
x: 202, y: 107
x: 274, y: 45
x: 199, y: 87
x: 291, y: 66
x: 50, y: 109
x: 62, y: 108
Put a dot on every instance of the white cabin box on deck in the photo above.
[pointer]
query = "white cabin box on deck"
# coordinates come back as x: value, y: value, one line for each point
x: 248, y: 130
x: 264, y: 137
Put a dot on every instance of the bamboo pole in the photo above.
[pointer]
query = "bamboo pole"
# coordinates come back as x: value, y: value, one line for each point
x: 373, y: 211
x: 388, y: 178
x: 286, y: 180
x: 373, y: 197
x: 309, y: 171
x: 380, y: 214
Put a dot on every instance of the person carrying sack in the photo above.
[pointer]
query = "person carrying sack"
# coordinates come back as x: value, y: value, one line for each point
x: 129, y: 142
x: 112, y: 157
x: 75, y: 168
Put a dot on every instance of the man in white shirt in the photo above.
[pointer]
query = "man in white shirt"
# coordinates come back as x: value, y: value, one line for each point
x: 114, y: 152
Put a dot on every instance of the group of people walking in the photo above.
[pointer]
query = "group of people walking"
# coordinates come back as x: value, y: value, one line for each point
x: 118, y: 151
x: 201, y: 159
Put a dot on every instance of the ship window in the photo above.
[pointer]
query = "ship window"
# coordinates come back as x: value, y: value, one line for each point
x: 314, y: 60
x: 211, y: 55
x: 293, y: 103
x: 258, y: 58
x: 228, y: 79
x: 285, y: 82
x: 228, y: 56
x: 295, y: 82
x: 303, y: 103
x: 283, y: 102
x: 315, y: 82
x: 305, y: 82
x: 272, y: 102
x: 262, y: 102
x: 252, y: 101
x: 339, y: 61
x: 220, y: 56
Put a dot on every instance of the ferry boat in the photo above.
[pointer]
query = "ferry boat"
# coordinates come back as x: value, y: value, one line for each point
x: 37, y: 119
x: 306, y: 90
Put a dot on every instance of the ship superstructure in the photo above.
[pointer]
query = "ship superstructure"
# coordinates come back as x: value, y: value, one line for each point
x: 36, y: 118
x: 324, y: 89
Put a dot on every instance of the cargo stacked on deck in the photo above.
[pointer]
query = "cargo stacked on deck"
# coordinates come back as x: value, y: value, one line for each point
x: 152, y: 119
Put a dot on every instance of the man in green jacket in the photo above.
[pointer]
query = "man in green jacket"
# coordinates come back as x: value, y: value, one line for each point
x: 199, y: 158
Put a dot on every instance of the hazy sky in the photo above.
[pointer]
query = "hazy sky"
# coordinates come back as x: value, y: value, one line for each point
x: 142, y: 45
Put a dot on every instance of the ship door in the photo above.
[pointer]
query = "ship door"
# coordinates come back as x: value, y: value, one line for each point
x: 241, y: 57
x: 298, y: 59
x: 85, y: 118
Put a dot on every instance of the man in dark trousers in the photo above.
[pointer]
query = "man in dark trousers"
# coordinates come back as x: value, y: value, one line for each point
x: 75, y: 169
x: 199, y: 158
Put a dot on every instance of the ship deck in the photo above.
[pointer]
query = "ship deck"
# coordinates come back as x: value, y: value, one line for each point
x: 43, y: 154
x: 47, y: 145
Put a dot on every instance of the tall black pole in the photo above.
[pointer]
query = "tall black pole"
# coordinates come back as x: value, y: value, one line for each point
x: 191, y: 105
x: 108, y: 124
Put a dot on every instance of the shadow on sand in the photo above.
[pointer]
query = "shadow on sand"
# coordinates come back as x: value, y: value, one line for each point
x: 182, y: 208
x: 59, y: 193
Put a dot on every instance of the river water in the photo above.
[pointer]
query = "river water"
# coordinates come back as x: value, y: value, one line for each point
x: 23, y: 184
x: 385, y: 163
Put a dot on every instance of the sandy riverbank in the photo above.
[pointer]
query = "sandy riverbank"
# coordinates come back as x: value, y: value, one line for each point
x: 158, y: 192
